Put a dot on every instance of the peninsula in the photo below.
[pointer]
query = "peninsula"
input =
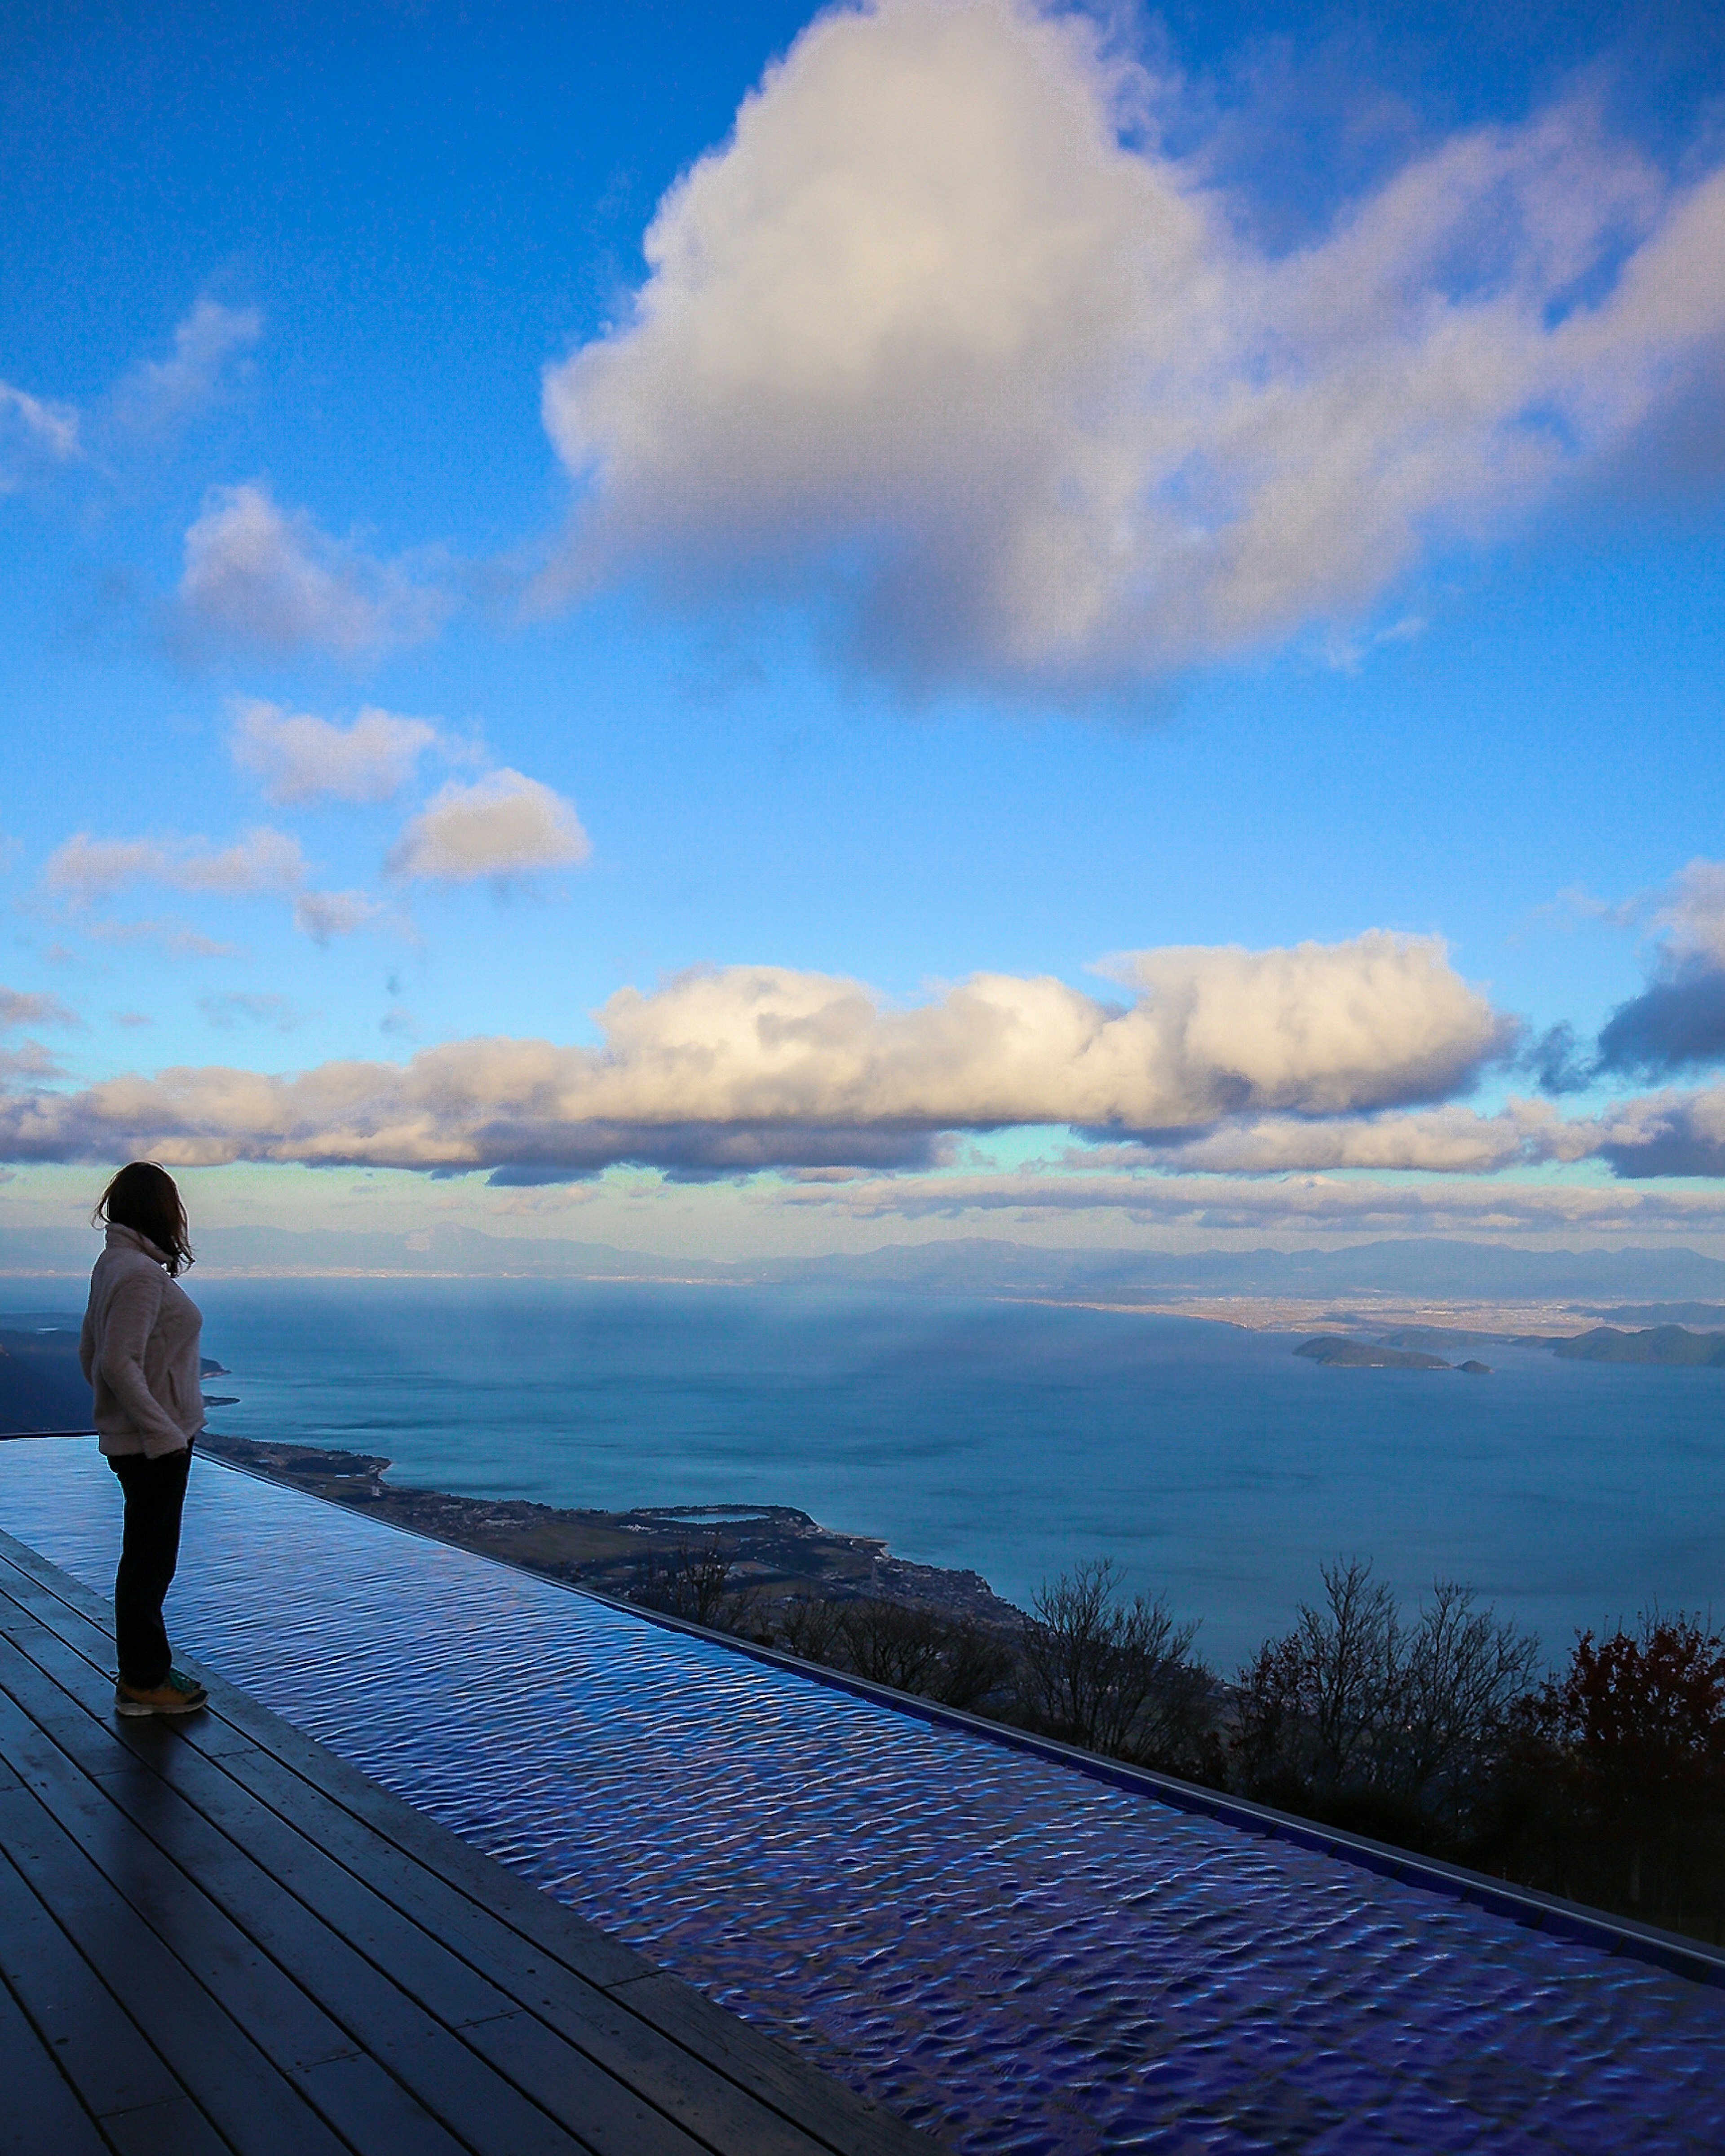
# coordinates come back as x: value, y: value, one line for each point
x: 771, y: 1553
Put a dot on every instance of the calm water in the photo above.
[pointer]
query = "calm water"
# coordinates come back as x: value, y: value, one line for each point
x: 1209, y: 1462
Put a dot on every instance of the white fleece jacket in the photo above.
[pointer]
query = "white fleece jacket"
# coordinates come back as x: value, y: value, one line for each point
x: 139, y: 1350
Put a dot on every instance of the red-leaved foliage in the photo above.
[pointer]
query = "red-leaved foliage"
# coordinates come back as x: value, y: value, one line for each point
x: 1610, y: 1787
x: 1642, y: 1717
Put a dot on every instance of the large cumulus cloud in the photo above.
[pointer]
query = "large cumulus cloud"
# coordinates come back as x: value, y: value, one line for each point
x: 942, y: 341
x: 759, y: 1066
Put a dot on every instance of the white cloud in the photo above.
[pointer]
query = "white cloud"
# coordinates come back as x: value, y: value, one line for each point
x: 1678, y: 1020
x: 324, y: 915
x: 258, y: 576
x: 29, y: 1062
x: 33, y: 433
x: 1692, y: 913
x: 265, y: 863
x: 298, y: 757
x: 23, y: 1006
x: 158, y: 393
x: 927, y: 341
x: 37, y: 433
x: 760, y: 1066
x: 1666, y: 1133
x: 503, y: 825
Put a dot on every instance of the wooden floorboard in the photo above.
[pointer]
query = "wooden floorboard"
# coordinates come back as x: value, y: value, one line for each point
x: 215, y: 1935
x: 39, y: 2111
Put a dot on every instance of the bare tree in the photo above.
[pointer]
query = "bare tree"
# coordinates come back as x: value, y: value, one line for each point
x: 1354, y: 1701
x: 1462, y: 1670
x: 1110, y: 1674
x: 695, y: 1584
x: 891, y: 1643
x: 810, y: 1626
x: 974, y: 1661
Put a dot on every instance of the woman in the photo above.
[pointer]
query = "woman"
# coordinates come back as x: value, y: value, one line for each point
x: 139, y: 1349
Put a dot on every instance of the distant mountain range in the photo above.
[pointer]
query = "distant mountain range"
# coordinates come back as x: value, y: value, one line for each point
x: 1663, y: 1283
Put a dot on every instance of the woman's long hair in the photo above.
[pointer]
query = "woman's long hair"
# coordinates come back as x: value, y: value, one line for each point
x: 144, y: 1197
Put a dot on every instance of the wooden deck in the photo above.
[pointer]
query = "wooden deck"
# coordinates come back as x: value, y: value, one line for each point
x: 217, y: 1936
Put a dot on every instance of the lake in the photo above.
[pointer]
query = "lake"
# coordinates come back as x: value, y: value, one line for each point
x: 1210, y: 1462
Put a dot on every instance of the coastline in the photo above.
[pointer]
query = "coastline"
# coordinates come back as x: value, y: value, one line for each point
x: 773, y: 1552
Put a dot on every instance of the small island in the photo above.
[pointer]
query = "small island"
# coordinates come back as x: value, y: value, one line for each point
x: 1337, y: 1353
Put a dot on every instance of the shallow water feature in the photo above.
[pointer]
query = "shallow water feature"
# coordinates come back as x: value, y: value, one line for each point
x: 997, y: 1946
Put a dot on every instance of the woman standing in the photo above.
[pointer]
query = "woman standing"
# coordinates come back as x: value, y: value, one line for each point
x: 139, y: 1349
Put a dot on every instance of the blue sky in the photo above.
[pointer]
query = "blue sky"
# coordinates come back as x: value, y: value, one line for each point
x: 1053, y: 487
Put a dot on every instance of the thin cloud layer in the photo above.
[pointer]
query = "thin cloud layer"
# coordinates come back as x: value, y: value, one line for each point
x: 1449, y: 1140
x: 503, y: 826
x: 23, y: 1006
x: 760, y: 1066
x: 34, y: 434
x: 297, y: 756
x: 159, y: 393
x: 257, y: 576
x: 38, y: 434
x: 236, y: 1008
x: 1291, y: 1205
x: 940, y: 343
x: 264, y: 863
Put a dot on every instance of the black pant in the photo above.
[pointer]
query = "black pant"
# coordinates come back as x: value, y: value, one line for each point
x: 155, y: 1491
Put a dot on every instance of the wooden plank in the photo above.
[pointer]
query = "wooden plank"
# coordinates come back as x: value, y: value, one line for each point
x: 489, y: 1916
x: 254, y: 2108
x: 287, y: 2025
x: 39, y: 2111
x: 176, y: 2129
x: 229, y: 1923
x: 240, y: 1852
x: 100, y: 2049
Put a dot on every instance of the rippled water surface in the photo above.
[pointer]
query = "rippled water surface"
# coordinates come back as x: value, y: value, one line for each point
x: 999, y: 1948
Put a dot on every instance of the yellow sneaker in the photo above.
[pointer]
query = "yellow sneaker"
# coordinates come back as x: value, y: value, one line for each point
x: 176, y: 1694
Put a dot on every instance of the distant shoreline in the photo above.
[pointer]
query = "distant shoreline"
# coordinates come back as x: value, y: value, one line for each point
x: 1248, y: 1313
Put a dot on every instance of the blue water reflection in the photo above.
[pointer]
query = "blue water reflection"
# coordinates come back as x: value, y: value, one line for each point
x: 997, y: 1948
